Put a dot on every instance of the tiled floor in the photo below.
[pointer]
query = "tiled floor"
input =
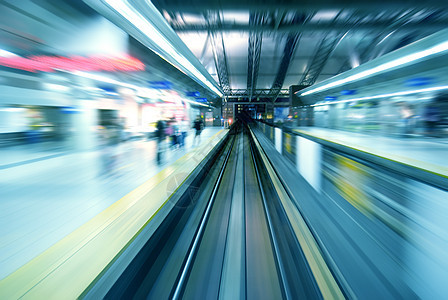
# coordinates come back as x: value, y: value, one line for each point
x: 46, y: 192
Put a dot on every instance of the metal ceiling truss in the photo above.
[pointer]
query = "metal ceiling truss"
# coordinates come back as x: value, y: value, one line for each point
x: 326, y: 47
x: 376, y: 22
x: 315, y: 27
x: 415, y: 17
x: 262, y: 93
x: 199, y: 6
x: 204, y: 48
x: 367, y: 46
x: 321, y: 56
x: 254, y: 50
x: 219, y: 54
x: 363, y: 49
x: 290, y: 46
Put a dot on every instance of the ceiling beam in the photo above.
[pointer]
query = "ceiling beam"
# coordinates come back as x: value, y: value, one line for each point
x: 254, y: 50
x: 204, y: 48
x: 199, y: 6
x: 219, y: 54
x: 326, y: 47
x: 265, y: 93
x: 288, y: 52
x: 321, y: 56
x: 310, y: 27
x: 290, y: 46
x: 367, y: 48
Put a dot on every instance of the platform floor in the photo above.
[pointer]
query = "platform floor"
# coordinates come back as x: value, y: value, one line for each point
x: 47, y: 192
x: 424, y: 153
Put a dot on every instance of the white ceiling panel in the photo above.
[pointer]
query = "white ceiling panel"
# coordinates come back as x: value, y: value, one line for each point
x: 265, y: 81
x: 269, y: 65
x: 332, y: 66
x: 238, y: 81
x: 239, y: 17
x: 298, y: 65
x: 307, y: 46
x: 237, y: 65
x: 236, y: 43
x: 195, y: 41
x: 272, y: 46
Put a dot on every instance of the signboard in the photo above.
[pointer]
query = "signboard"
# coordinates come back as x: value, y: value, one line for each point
x: 193, y: 94
x: 44, y: 63
x: 348, y: 92
x: 160, y: 85
x: 70, y: 110
x: 419, y: 81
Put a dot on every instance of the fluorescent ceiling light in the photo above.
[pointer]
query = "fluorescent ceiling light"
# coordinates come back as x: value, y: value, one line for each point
x: 432, y: 89
x: 386, y: 66
x: 12, y: 109
x: 384, y: 38
x: 56, y: 87
x: 194, y: 102
x: 325, y: 15
x: 236, y: 17
x: 193, y: 19
x: 4, y: 53
x: 103, y: 79
x: 135, y: 18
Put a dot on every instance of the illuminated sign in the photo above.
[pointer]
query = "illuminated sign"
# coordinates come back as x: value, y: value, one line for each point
x: 70, y: 110
x: 348, y: 92
x: 73, y: 63
x: 202, y: 100
x: 193, y: 94
x: 160, y: 85
x: 419, y: 81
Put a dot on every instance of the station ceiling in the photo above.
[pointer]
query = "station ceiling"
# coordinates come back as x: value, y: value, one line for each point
x: 253, y: 48
x: 258, y: 49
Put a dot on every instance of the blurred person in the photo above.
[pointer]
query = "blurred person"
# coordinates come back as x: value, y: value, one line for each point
x: 198, y: 125
x: 432, y: 118
x: 161, y: 132
x: 122, y: 130
x: 183, y: 131
x: 407, y: 116
x: 108, y: 153
x: 174, y: 134
x: 34, y: 127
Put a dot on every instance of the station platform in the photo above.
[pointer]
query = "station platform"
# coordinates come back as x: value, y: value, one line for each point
x: 376, y: 204
x: 424, y: 153
x: 47, y: 191
x: 252, y: 211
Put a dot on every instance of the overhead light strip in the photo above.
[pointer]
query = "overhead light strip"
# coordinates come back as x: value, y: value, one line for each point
x: 433, y: 89
x: 152, y: 33
x: 386, y: 66
x: 102, y: 78
x: 4, y: 53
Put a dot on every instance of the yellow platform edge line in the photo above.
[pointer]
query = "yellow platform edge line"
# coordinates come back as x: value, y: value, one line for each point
x: 43, y: 276
x: 410, y: 162
x: 319, y: 268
